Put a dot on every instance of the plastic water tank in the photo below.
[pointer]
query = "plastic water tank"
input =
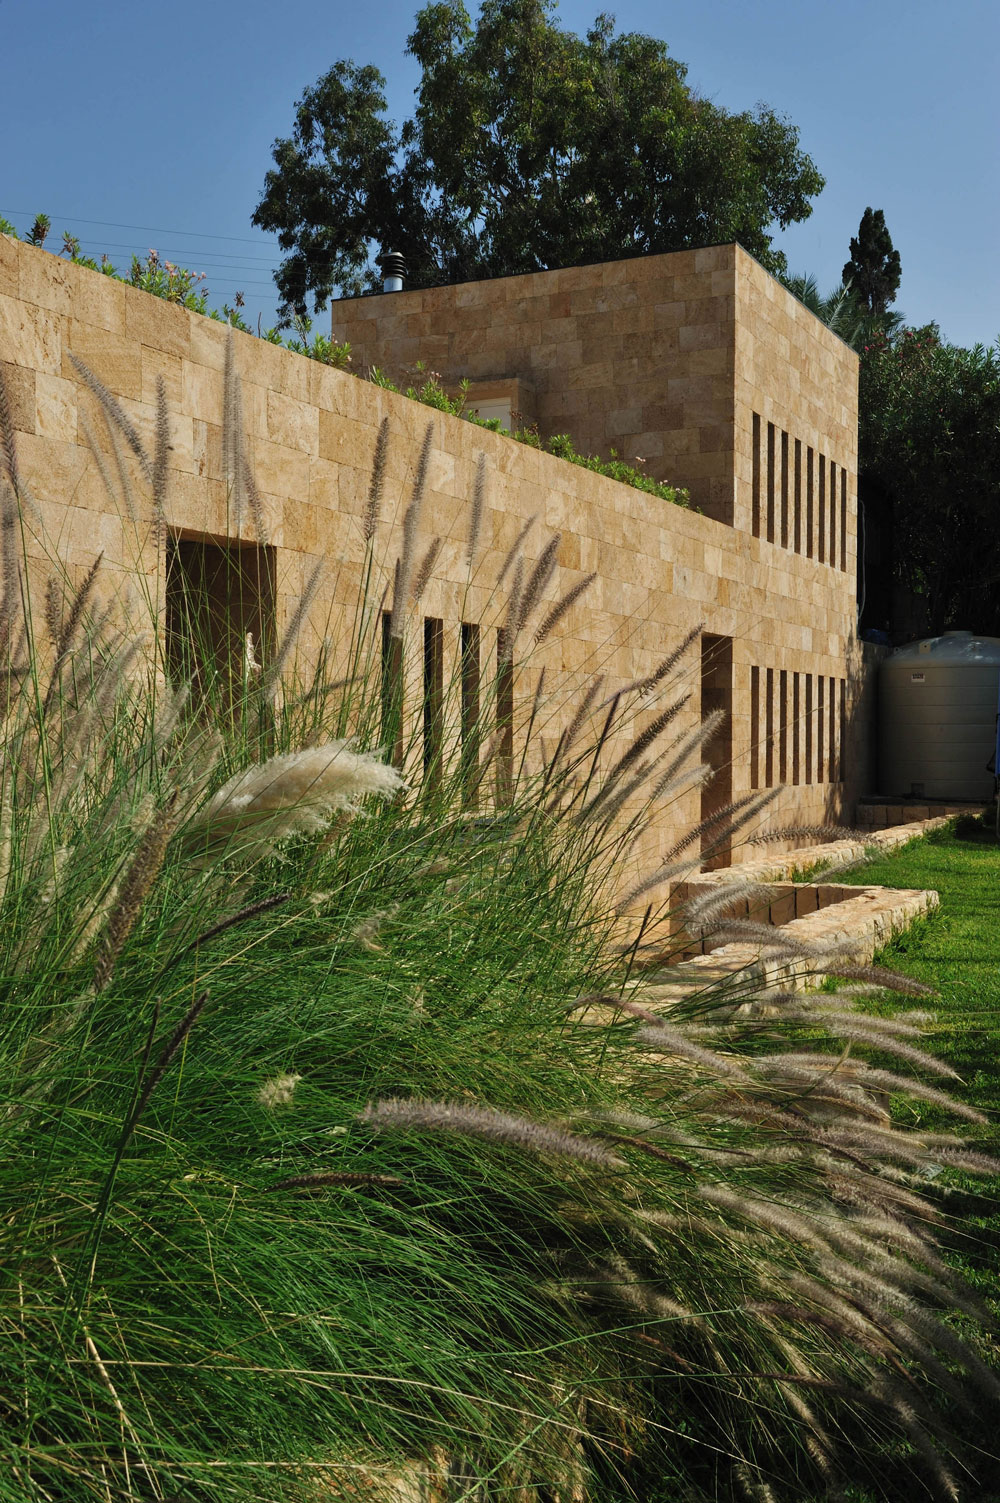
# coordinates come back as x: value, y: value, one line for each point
x: 937, y: 717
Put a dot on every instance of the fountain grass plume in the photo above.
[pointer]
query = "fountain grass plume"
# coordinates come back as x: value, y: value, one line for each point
x: 295, y: 793
x: 508, y: 1128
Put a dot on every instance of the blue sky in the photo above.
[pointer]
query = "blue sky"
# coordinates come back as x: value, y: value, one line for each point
x: 138, y: 126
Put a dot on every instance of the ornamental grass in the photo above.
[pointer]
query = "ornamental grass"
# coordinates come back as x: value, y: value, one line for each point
x: 318, y: 1178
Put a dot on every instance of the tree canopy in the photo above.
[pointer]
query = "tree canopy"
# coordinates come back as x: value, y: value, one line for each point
x: 873, y: 272
x: 930, y: 478
x: 530, y: 147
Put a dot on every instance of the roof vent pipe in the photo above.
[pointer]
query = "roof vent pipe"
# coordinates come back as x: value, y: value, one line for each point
x: 393, y: 270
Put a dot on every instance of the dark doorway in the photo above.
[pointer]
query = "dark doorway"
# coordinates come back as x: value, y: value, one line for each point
x: 717, y: 751
x: 220, y: 615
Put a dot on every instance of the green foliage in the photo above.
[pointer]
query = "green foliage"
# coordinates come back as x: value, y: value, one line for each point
x: 175, y: 284
x: 873, y: 272
x: 235, y: 1267
x: 530, y: 147
x: 843, y: 313
x: 929, y: 442
x: 428, y: 389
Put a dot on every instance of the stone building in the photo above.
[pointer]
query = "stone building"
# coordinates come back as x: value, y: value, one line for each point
x: 699, y: 362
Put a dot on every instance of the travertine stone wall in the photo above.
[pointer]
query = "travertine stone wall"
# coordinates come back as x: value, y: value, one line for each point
x: 311, y: 434
x: 662, y: 358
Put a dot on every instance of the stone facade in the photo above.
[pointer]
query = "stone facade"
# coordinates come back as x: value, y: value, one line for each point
x: 747, y: 367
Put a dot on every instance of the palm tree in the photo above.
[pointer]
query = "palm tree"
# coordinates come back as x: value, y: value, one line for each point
x: 842, y: 312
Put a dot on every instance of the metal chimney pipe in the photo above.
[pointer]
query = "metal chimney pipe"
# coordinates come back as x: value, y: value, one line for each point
x: 393, y: 270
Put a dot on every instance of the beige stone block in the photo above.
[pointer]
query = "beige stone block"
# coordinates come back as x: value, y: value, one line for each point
x: 201, y: 392
x: 29, y: 336
x: 19, y: 384
x: 99, y: 300
x: 52, y: 467
x: 114, y: 359
x: 292, y: 423
x: 55, y: 407
x: 47, y: 280
x: 153, y: 321
x: 280, y: 471
x: 206, y: 448
x: 157, y: 365
x: 10, y: 281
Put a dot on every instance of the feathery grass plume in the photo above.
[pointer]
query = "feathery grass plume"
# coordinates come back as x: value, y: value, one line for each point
x: 568, y: 736
x: 670, y: 871
x: 256, y: 505
x: 558, y: 611
x: 115, y: 412
x: 877, y: 1033
x: 135, y: 889
x: 514, y: 551
x: 295, y: 793
x: 512, y: 620
x: 8, y: 442
x: 67, y: 626
x: 539, y: 577
x: 333, y: 1177
x: 890, y: 981
x: 646, y: 685
x: 411, y: 524
x: 11, y: 490
x: 161, y: 464
x: 270, y: 681
x: 394, y: 1115
x: 477, y: 511
x: 233, y: 441
x: 685, y: 745
x: 669, y: 1040
x: 705, y: 908
x: 820, y: 833
x: 426, y: 569
x: 102, y: 465
x: 278, y: 1091
x: 746, y: 807
x: 252, y: 910
x: 53, y: 611
x: 641, y: 744
x: 373, y: 506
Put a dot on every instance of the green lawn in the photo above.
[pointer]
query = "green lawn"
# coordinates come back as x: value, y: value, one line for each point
x: 957, y: 951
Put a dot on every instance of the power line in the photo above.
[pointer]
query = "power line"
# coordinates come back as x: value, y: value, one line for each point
x: 147, y: 229
x: 220, y: 256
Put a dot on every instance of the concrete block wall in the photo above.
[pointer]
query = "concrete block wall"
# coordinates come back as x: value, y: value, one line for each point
x: 311, y: 432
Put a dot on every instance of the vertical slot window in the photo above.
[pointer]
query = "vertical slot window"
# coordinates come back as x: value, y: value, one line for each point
x: 755, y: 727
x: 833, y: 772
x: 783, y: 726
x: 770, y: 482
x: 755, y: 478
x: 470, y: 714
x: 842, y: 742
x: 820, y: 728
x: 810, y: 505
x: 717, y: 793
x: 505, y: 719
x: 769, y: 729
x: 433, y: 701
x: 784, y: 490
x: 809, y: 727
x: 797, y: 499
x: 832, y: 550
x: 392, y: 691
x: 843, y: 519
x: 821, y: 512
x: 796, y: 729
